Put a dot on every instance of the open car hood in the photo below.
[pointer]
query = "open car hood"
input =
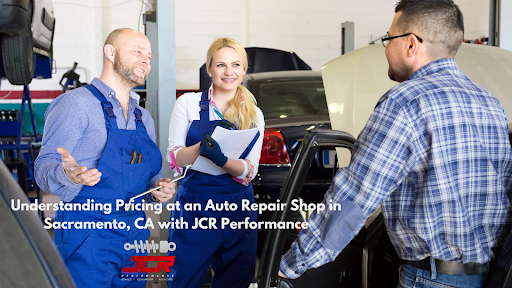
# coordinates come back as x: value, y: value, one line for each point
x: 355, y: 81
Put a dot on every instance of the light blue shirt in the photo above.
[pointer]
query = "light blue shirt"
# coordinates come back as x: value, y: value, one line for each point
x: 75, y: 121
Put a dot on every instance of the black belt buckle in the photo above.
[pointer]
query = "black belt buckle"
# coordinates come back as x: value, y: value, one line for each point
x: 450, y: 267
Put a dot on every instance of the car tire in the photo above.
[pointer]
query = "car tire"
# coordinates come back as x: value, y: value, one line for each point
x: 18, y: 57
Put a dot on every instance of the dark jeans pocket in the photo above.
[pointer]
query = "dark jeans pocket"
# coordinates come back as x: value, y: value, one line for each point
x: 406, y: 277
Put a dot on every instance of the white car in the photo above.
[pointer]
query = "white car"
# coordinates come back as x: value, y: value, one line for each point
x: 26, y: 26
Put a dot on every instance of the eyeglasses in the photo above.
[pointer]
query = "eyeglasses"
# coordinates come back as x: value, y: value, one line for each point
x: 385, y: 40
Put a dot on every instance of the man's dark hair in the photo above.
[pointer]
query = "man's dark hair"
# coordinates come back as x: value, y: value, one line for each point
x: 438, y: 22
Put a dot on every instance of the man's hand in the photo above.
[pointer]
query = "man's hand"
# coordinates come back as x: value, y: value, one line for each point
x: 165, y: 193
x: 78, y: 175
x: 281, y: 274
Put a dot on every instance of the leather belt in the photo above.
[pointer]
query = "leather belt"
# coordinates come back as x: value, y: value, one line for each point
x: 450, y: 267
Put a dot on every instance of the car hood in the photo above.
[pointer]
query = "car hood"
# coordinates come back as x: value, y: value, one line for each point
x: 355, y: 81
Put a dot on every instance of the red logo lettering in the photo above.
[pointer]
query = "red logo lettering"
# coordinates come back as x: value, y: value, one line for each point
x: 164, y: 262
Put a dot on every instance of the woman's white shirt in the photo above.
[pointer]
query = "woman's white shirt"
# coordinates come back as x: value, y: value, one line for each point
x: 185, y: 111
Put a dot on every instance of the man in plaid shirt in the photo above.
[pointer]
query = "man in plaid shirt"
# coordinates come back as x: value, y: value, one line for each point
x: 435, y: 154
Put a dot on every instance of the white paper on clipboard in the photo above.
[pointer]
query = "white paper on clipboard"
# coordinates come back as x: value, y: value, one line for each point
x: 232, y: 144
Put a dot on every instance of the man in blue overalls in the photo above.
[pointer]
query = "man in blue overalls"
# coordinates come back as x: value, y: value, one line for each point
x: 113, y: 139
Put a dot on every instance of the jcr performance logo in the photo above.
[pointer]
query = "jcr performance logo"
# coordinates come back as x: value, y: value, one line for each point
x: 164, y: 262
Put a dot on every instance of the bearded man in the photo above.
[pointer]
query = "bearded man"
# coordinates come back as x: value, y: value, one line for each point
x: 102, y: 127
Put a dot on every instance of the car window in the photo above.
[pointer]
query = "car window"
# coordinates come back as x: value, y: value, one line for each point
x: 291, y: 98
x: 18, y: 257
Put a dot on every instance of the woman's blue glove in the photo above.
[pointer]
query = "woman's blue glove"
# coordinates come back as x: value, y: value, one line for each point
x: 210, y: 149
x: 225, y: 124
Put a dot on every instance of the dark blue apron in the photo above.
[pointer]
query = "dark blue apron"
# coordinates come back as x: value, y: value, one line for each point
x: 95, y: 257
x: 232, y: 253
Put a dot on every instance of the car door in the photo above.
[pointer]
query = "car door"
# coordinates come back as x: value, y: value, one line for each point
x: 278, y: 241
x: 369, y: 256
x: 29, y: 258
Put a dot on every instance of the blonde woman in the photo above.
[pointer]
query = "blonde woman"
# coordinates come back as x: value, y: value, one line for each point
x: 231, y: 252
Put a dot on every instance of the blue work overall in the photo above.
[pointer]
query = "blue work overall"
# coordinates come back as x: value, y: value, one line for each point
x: 231, y: 252
x: 96, y: 257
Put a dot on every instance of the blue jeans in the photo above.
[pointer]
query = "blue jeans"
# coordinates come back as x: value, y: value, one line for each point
x: 411, y: 277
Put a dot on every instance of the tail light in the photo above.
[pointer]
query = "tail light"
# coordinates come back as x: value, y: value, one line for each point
x: 298, y: 229
x: 273, y: 150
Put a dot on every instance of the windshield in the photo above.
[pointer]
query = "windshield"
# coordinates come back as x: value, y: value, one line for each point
x: 291, y: 98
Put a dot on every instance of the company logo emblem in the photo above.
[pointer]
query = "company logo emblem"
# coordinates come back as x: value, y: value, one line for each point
x: 164, y: 262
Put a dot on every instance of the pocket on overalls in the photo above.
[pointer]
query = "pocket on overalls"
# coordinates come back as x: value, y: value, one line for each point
x: 135, y: 176
x: 70, y: 250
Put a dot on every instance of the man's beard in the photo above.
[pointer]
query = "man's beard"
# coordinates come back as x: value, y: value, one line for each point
x: 391, y: 75
x: 127, y: 73
x: 400, y: 74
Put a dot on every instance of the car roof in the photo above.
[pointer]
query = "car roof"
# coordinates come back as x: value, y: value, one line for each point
x: 292, y: 74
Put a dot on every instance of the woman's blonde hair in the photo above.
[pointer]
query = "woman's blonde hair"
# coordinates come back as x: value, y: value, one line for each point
x: 242, y: 108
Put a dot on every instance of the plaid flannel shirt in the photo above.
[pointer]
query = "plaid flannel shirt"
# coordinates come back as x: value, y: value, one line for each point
x: 436, y: 155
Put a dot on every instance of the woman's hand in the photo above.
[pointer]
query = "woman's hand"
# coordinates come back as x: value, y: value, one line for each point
x: 210, y: 149
x: 224, y: 124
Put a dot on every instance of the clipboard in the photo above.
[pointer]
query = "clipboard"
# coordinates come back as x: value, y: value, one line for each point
x: 232, y: 144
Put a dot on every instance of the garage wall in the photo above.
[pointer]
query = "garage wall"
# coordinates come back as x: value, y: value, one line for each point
x: 82, y: 27
x: 311, y: 28
x: 476, y: 18
x: 506, y: 34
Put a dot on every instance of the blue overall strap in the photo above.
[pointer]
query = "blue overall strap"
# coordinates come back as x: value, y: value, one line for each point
x: 249, y: 148
x: 108, y: 109
x: 138, y: 115
x: 204, y: 114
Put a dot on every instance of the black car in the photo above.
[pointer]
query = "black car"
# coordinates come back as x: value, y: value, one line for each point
x: 292, y: 102
x: 368, y: 257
